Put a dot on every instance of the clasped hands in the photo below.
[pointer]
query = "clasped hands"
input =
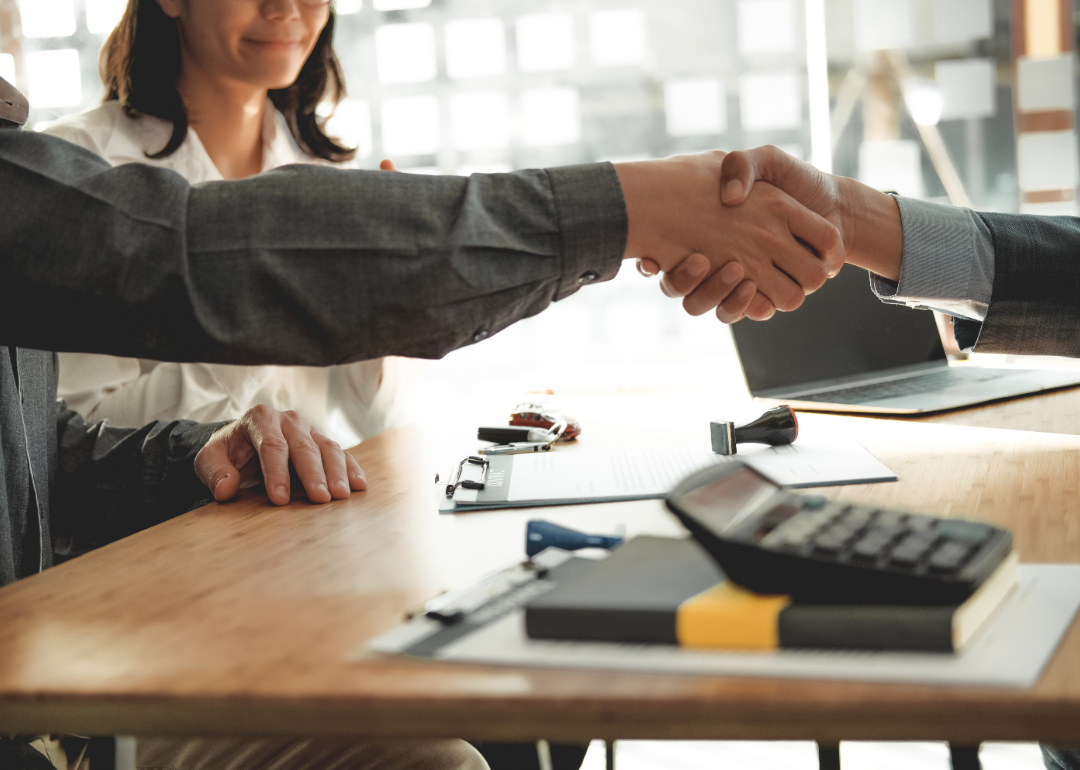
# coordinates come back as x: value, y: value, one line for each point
x: 749, y: 233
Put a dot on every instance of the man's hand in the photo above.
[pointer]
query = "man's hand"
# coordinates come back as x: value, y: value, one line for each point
x: 674, y: 211
x: 868, y: 220
x: 262, y: 444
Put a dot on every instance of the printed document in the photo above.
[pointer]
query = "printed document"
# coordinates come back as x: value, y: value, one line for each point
x: 561, y: 477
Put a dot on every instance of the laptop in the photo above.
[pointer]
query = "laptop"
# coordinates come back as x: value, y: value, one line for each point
x: 846, y: 351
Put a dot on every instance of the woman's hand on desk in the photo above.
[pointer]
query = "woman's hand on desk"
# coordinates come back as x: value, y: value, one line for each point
x: 262, y: 444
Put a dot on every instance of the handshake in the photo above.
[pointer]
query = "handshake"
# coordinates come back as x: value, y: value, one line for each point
x: 749, y: 233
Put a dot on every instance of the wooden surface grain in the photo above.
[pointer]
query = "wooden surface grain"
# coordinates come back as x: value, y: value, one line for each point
x: 239, y: 618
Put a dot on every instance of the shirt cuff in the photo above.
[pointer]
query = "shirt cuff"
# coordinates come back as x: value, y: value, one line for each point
x: 592, y: 223
x: 948, y: 261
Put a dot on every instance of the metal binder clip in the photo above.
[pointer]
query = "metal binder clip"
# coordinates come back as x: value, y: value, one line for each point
x: 468, y: 483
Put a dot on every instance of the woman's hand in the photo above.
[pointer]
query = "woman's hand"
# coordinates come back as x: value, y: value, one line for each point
x: 262, y: 444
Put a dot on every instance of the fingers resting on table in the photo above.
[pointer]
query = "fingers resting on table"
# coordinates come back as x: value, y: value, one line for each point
x: 263, y: 444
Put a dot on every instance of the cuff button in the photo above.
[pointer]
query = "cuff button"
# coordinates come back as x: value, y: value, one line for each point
x: 481, y: 335
x: 588, y: 277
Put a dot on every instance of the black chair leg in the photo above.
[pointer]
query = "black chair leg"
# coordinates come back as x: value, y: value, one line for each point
x: 965, y: 757
x: 609, y: 755
x: 828, y: 756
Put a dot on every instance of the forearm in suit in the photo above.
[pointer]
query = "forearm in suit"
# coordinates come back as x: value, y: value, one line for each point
x: 301, y: 265
x: 112, y: 482
x: 1035, y: 305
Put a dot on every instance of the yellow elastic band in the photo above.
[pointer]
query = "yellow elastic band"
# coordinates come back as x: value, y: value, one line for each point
x: 729, y: 617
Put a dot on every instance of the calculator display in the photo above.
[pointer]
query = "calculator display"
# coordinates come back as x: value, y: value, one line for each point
x: 719, y: 504
x: 774, y: 541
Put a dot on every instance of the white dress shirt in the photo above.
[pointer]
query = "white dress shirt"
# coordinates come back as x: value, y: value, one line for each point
x: 364, y: 398
x: 948, y: 261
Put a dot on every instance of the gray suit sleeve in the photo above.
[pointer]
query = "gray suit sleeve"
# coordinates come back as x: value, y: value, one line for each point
x: 948, y: 261
x: 112, y: 482
x: 302, y: 265
x: 1035, y: 306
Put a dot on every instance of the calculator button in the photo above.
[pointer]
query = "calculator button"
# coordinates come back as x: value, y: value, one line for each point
x: 861, y: 516
x: 826, y: 544
x: 921, y: 523
x: 869, y: 548
x: 814, y: 502
x: 949, y: 556
x: 889, y: 519
x: 910, y: 551
x: 969, y: 531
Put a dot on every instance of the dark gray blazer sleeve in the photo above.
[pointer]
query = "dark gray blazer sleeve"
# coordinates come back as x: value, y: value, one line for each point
x: 301, y: 265
x: 112, y: 482
x: 1035, y: 305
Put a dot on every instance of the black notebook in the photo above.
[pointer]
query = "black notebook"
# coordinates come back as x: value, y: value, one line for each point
x: 669, y: 590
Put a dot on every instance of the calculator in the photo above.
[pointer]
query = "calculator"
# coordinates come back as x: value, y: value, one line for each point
x: 774, y: 541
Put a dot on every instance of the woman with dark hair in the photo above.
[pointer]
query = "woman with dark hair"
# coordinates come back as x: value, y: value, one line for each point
x: 223, y: 89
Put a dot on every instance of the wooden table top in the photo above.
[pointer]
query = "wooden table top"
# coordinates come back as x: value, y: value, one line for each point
x: 238, y: 618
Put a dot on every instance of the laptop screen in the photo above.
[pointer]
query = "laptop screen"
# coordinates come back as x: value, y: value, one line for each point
x: 841, y: 330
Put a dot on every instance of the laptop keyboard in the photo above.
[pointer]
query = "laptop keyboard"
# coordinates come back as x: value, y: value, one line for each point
x: 910, y: 386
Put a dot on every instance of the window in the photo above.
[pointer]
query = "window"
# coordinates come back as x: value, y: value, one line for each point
x: 546, y: 42
x: 475, y: 48
x: 410, y: 125
x: 405, y: 53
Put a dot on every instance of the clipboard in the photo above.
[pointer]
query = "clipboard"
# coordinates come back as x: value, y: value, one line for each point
x: 581, y: 476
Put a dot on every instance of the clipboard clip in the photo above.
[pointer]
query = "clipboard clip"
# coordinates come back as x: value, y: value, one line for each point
x: 468, y: 483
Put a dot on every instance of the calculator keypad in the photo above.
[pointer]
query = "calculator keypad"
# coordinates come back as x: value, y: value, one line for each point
x: 880, y: 538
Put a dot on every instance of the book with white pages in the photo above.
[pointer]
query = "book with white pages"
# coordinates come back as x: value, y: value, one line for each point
x: 1011, y: 650
x: 568, y: 478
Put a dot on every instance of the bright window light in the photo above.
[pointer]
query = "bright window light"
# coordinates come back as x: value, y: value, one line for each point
x: 968, y: 88
x: 766, y: 26
x: 346, y: 7
x: 958, y: 21
x: 405, y: 53
x: 351, y: 124
x: 546, y: 42
x: 423, y: 170
x: 399, y: 5
x: 770, y: 101
x: 618, y: 37
x: 867, y: 755
x: 695, y: 106
x: 924, y: 102
x: 7, y: 67
x: 884, y: 24
x: 550, y: 116
x: 480, y: 120
x: 794, y: 150
x: 708, y: 755
x: 892, y: 165
x: 102, y: 16
x: 54, y: 78
x: 1044, y: 84
x: 483, y: 168
x: 47, y: 18
x: 475, y: 48
x: 1046, y: 160
x: 410, y: 125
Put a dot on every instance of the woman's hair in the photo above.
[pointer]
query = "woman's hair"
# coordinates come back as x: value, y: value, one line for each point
x: 140, y: 63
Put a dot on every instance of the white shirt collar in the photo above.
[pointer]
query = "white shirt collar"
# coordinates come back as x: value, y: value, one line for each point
x: 132, y: 138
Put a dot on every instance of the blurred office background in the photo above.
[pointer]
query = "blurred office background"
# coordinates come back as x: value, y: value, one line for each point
x: 962, y: 101
x: 915, y: 96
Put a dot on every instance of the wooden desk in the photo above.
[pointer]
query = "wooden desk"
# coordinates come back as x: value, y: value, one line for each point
x: 238, y: 618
